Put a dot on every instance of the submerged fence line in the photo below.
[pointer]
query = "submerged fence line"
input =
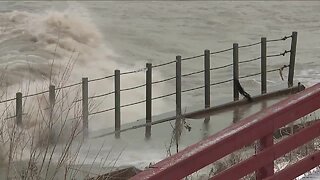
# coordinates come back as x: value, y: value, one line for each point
x: 171, y: 62
x: 148, y: 84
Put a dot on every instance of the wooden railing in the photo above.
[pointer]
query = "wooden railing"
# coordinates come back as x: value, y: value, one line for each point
x: 259, y: 126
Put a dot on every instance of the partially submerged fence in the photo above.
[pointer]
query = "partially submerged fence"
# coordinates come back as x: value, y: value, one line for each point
x: 149, y: 100
x: 260, y: 126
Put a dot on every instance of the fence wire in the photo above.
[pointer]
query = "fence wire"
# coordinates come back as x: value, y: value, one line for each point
x: 68, y: 86
x: 192, y: 73
x: 272, y: 70
x: 134, y: 71
x: 134, y: 103
x: 221, y: 67
x: 96, y: 96
x: 163, y: 64
x: 221, y: 51
x: 280, y: 39
x: 163, y: 80
x: 221, y: 82
x: 250, y: 60
x: 255, y: 74
x: 193, y: 57
x: 249, y: 45
x: 102, y: 111
x: 163, y: 96
x: 35, y: 94
x: 280, y: 54
x: 192, y: 89
x: 131, y: 88
x: 231, y: 64
x: 252, y: 44
x: 249, y: 75
x: 100, y: 95
x: 98, y: 79
x: 7, y: 100
x: 11, y: 117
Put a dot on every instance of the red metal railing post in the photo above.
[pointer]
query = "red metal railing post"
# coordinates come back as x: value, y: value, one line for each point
x: 262, y: 144
x: 267, y: 170
x: 259, y: 126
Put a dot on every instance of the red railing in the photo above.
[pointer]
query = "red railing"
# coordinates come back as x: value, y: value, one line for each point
x: 259, y: 126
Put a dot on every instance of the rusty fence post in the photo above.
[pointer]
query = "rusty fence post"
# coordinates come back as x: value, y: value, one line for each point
x: 19, y: 108
x: 52, y: 100
x: 178, y: 99
x: 85, y: 107
x: 293, y: 51
x: 263, y: 65
x: 207, y: 81
x: 117, y: 103
x: 148, y: 100
x: 235, y: 71
x: 52, y: 96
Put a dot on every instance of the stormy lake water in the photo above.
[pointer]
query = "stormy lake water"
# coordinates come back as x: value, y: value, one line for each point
x: 39, y: 41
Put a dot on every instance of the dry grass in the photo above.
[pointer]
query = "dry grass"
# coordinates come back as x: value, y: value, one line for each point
x: 48, y: 143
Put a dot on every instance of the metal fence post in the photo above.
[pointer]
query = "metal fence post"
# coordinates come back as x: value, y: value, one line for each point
x: 52, y: 95
x: 148, y: 99
x: 85, y: 107
x: 178, y: 99
x: 292, y: 58
x: 263, y: 65
x: 117, y: 103
x: 52, y: 99
x: 207, y: 81
x: 19, y: 108
x: 235, y: 70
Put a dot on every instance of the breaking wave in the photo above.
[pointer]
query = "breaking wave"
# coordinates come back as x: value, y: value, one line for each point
x: 59, y: 48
